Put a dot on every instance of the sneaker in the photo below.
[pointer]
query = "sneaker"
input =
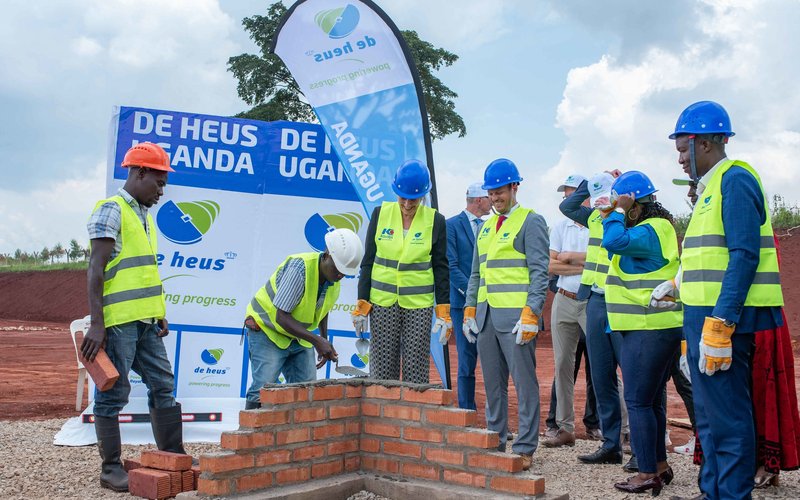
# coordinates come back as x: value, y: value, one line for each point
x: 686, y: 449
x: 667, y: 440
x: 527, y: 460
x: 562, y: 438
x: 594, y: 434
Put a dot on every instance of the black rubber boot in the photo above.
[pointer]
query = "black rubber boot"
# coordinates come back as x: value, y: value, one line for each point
x: 252, y: 405
x: 112, y: 474
x: 168, y: 428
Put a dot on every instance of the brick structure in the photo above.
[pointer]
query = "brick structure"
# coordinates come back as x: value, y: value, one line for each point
x: 312, y: 431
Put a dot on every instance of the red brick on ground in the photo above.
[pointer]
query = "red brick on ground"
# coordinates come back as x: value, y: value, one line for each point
x: 149, y: 483
x: 187, y: 480
x: 166, y: 460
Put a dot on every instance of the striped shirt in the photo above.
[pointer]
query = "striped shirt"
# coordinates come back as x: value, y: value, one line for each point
x: 106, y: 221
x: 291, y: 285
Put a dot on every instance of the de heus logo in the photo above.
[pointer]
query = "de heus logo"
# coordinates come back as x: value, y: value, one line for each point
x: 318, y: 225
x: 186, y: 222
x: 211, y: 356
x: 338, y: 23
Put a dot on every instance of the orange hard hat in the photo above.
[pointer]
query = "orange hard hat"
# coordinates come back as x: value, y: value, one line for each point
x: 147, y: 155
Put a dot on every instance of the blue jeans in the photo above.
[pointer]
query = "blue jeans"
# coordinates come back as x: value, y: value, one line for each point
x: 467, y: 359
x: 646, y: 362
x: 268, y: 361
x: 604, y: 354
x: 135, y: 346
x: 723, y: 407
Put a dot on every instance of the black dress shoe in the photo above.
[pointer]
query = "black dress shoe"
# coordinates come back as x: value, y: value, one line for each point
x: 667, y: 476
x: 654, y: 484
x: 632, y: 465
x: 602, y: 456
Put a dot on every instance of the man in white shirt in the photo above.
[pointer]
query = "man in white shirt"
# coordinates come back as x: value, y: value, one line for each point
x: 568, y: 242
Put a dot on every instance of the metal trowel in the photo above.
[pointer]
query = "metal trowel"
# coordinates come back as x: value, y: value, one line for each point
x: 350, y: 371
x: 362, y: 346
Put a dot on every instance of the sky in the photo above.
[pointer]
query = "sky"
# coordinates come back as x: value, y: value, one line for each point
x: 559, y: 87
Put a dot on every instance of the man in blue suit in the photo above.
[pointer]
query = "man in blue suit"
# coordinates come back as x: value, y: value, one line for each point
x: 461, y: 231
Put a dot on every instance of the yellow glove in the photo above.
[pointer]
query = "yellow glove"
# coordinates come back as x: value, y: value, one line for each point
x: 443, y: 323
x: 716, y: 348
x: 359, y: 316
x: 527, y: 327
x: 470, y: 329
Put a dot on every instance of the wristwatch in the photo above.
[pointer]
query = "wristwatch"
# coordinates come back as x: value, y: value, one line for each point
x: 620, y: 210
x: 728, y: 323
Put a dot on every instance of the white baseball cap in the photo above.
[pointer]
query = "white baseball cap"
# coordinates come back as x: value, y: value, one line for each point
x: 573, y: 181
x: 476, y: 191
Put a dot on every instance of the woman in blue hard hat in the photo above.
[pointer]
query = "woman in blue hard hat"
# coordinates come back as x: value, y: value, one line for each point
x: 404, y: 273
x: 643, y: 247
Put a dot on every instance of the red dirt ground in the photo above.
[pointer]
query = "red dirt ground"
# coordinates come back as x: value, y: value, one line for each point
x: 37, y: 359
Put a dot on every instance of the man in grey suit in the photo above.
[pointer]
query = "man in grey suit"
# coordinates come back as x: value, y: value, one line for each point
x: 505, y: 297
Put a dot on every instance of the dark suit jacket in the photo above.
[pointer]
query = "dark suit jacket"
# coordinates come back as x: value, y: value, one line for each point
x: 460, y: 247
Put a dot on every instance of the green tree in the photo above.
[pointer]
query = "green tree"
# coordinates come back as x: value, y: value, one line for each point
x: 266, y: 84
x: 57, y: 251
x: 75, y: 250
x: 45, y: 254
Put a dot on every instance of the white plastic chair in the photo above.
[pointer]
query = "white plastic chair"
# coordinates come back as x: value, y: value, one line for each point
x: 79, y: 325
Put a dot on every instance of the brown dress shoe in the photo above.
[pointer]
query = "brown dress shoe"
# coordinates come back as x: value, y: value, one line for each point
x: 527, y: 460
x: 562, y: 438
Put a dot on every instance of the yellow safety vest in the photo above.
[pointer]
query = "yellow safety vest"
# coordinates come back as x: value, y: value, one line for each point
x: 402, y: 272
x: 595, y: 268
x: 505, y: 279
x: 705, y: 251
x: 264, y: 312
x: 628, y: 295
x: 132, y: 288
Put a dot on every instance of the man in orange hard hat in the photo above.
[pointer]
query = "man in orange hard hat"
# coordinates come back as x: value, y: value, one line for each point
x: 127, y: 307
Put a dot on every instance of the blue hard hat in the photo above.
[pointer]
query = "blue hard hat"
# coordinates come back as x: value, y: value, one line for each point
x: 634, y: 182
x: 412, y: 180
x: 704, y: 117
x: 500, y: 173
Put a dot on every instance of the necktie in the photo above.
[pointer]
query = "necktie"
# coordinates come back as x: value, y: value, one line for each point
x: 500, y: 220
x: 475, y: 224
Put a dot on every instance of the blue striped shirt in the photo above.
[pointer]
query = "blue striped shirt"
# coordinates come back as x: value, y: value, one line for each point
x: 291, y: 285
x: 106, y: 221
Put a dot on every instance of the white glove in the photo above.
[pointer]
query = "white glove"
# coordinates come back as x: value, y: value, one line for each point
x: 683, y: 363
x: 361, y: 325
x: 664, y: 295
x: 445, y: 329
x: 470, y: 326
x: 524, y: 332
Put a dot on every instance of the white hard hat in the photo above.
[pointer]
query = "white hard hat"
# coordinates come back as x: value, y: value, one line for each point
x: 346, y: 250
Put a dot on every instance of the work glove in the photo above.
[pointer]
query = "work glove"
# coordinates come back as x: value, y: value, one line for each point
x: 716, y: 349
x: 664, y: 295
x: 470, y: 328
x: 527, y: 327
x: 683, y: 363
x: 443, y: 323
x: 359, y: 317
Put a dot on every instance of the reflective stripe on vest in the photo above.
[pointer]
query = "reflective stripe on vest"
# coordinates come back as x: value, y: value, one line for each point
x: 402, y: 272
x: 505, y: 279
x: 628, y: 295
x: 264, y: 312
x: 596, y: 265
x: 705, y: 253
x: 132, y: 288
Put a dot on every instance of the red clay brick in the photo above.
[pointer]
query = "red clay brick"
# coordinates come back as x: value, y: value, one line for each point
x: 402, y: 412
x: 187, y: 480
x: 262, y: 418
x: 402, y: 449
x: 352, y: 463
x: 283, y: 395
x: 370, y: 409
x: 518, y: 485
x: 440, y: 397
x: 129, y: 464
x: 308, y: 452
x: 292, y: 475
x: 273, y: 457
x: 423, y: 471
x: 165, y: 460
x: 381, y: 392
x: 325, y: 469
x: 443, y: 456
x: 175, y: 482
x: 313, y: 414
x: 340, y: 447
x: 247, y: 439
x: 149, y: 483
x: 451, y: 416
x: 369, y: 445
x: 382, y: 429
x: 475, y: 438
x: 211, y: 487
x: 330, y: 430
x: 292, y: 436
x: 354, y: 391
x: 465, y: 478
x: 327, y: 392
x: 101, y: 369
x: 381, y: 464
x: 196, y: 472
x: 224, y: 461
x: 422, y: 434
x: 505, y: 462
x: 253, y: 482
x: 352, y: 427
x: 350, y: 409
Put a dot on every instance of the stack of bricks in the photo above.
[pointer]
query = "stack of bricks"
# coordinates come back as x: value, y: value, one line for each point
x: 161, y: 474
x: 310, y: 431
